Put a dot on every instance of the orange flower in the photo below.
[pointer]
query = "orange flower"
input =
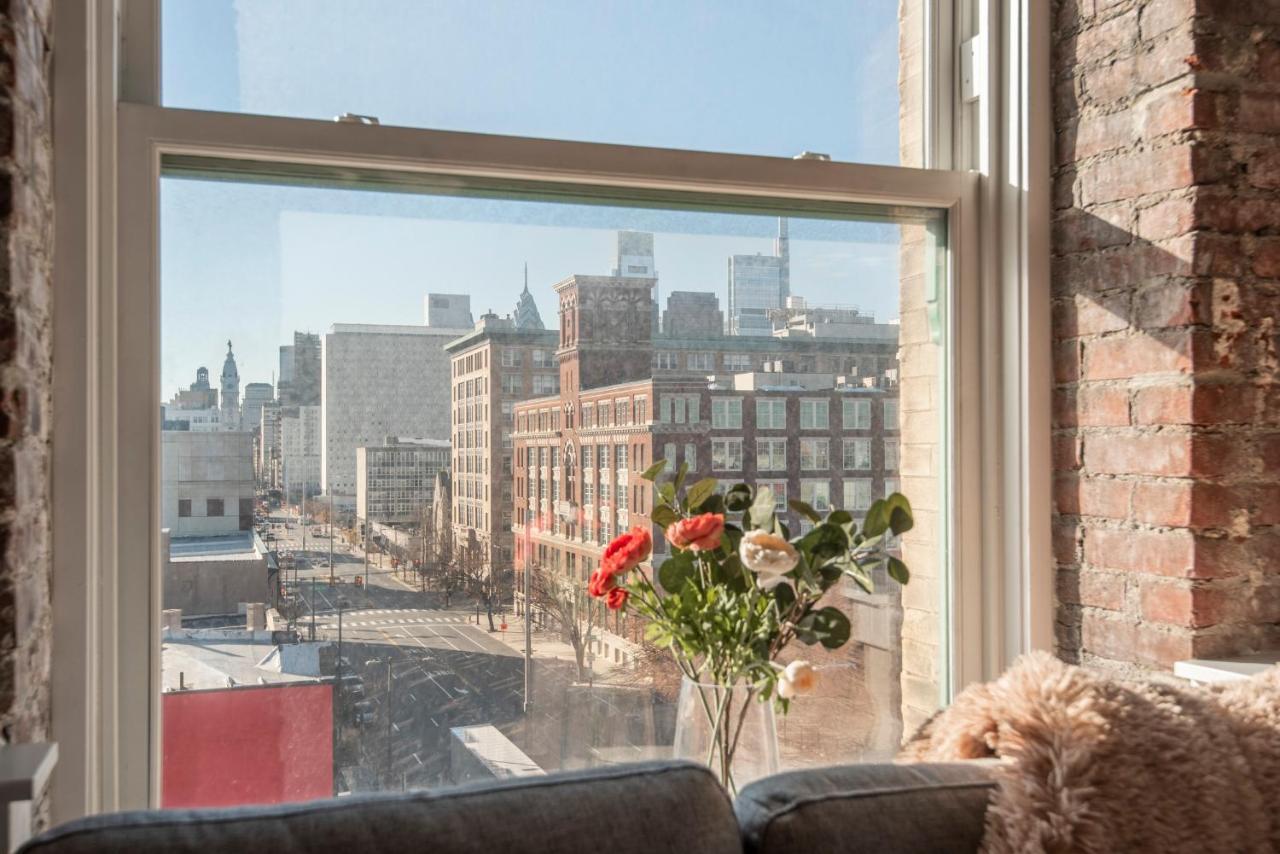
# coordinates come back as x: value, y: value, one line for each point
x: 601, y: 583
x: 617, y: 598
x: 700, y: 533
x: 626, y: 551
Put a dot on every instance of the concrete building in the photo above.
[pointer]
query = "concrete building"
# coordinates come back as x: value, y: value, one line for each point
x: 230, y: 381
x: 757, y: 285
x: 269, y: 474
x: 379, y: 381
x: 194, y: 420
x: 492, y: 368
x: 256, y: 395
x: 207, y: 483
x: 207, y: 576
x: 299, y: 381
x: 798, y: 319
x: 692, y: 314
x: 396, y: 480
x: 447, y: 311
x: 300, y: 452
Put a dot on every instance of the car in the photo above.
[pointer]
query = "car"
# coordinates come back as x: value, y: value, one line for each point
x: 352, y: 683
x: 363, y: 713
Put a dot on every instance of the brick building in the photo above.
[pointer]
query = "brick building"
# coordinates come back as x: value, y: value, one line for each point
x: 826, y: 438
x: 491, y: 368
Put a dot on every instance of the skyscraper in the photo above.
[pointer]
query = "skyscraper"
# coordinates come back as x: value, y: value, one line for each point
x: 757, y: 285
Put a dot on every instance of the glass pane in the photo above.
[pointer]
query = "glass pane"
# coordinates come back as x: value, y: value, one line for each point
x: 834, y: 77
x: 399, y: 428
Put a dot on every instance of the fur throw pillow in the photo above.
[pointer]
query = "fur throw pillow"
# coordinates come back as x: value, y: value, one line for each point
x: 1094, y: 764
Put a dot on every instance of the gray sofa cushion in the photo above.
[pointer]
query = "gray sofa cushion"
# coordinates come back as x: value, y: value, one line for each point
x: 882, y: 808
x: 650, y: 807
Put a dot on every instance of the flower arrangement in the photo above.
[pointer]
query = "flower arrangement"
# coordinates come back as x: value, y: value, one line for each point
x: 739, y: 588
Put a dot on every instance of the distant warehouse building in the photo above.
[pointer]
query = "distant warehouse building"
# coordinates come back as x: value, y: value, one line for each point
x: 396, y: 480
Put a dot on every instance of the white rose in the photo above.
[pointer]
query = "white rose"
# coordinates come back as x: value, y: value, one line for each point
x: 767, y: 555
x: 798, y: 678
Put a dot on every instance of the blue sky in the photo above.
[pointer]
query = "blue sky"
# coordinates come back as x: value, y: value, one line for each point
x: 252, y: 263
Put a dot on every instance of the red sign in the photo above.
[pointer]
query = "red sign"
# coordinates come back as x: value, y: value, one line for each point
x: 259, y: 744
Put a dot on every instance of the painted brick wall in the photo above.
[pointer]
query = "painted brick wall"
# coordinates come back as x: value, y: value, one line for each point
x: 1166, y: 278
x: 26, y: 238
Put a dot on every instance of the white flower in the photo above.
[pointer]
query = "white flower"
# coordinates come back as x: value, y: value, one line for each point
x: 767, y: 555
x: 798, y: 678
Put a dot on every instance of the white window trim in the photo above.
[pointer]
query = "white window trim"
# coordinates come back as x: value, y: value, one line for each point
x: 107, y: 160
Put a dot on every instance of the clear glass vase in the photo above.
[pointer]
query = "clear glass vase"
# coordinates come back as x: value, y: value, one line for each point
x: 727, y: 729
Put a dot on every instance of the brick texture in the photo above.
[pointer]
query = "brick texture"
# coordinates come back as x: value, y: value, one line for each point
x: 26, y: 242
x: 1166, y: 286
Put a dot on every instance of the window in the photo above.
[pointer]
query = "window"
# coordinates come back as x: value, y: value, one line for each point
x: 184, y: 507
x: 726, y: 413
x: 511, y: 358
x: 678, y: 404
x: 771, y: 454
x: 620, y: 455
x: 891, y: 413
x: 726, y: 454
x: 857, y: 494
x: 857, y: 454
x: 890, y: 454
x: 701, y: 362
x: 771, y: 414
x: 813, y: 415
x: 621, y: 501
x: 588, y: 492
x: 817, y: 494
x: 857, y: 414
x: 779, y: 488
x: 213, y: 507
x: 691, y: 455
x: 466, y: 212
x: 666, y: 361
x: 642, y: 410
x: 890, y: 486
x: 814, y: 454
x: 669, y: 454
x: 622, y: 409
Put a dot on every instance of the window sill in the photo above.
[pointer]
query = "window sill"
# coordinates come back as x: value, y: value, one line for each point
x: 1209, y: 671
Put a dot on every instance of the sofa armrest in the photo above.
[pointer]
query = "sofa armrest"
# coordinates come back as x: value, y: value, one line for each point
x: 882, y: 808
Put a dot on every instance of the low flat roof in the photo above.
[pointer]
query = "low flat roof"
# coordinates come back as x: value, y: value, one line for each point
x: 238, y: 546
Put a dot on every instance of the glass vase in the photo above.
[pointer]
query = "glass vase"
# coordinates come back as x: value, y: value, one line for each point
x: 727, y: 729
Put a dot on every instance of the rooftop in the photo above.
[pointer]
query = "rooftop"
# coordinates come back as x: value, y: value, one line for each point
x: 242, y: 545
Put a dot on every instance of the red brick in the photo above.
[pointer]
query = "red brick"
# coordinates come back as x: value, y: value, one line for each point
x: 1159, y: 16
x: 1170, y: 58
x: 1066, y: 361
x: 1066, y: 494
x: 1105, y: 497
x: 1165, y: 453
x: 1163, y: 404
x: 1169, y: 218
x: 1163, y: 503
x: 1066, y: 452
x: 1103, y: 38
x: 1102, y: 406
x: 1125, y: 356
x: 1171, y: 304
x: 1168, y: 553
x: 1269, y: 62
x: 1102, y: 590
x: 1222, y: 454
x: 1161, y: 647
x: 1259, y: 112
x: 1131, y: 176
x: 1220, y: 557
x: 1107, y: 636
x: 1220, y: 403
x: 1077, y: 231
x: 1092, y: 314
x: 1264, y: 169
x: 1066, y: 536
x: 1192, y: 606
x: 1266, y: 257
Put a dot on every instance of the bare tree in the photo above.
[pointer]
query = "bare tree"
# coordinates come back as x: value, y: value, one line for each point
x: 569, y: 609
x: 483, y: 580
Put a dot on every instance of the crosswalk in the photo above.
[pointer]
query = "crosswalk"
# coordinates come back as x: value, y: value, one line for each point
x: 393, y: 617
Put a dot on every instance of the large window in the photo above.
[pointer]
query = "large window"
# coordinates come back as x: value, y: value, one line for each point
x: 364, y: 274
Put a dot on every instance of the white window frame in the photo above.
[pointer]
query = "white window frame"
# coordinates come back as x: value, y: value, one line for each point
x: 106, y: 485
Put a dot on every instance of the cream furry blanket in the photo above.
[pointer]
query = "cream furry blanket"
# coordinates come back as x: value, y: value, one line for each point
x: 1094, y: 764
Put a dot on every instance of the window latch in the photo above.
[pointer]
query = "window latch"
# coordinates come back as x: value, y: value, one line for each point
x: 973, y: 68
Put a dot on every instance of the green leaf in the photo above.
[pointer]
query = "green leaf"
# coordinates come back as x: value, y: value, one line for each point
x: 675, y: 572
x: 700, y: 492
x: 804, y: 510
x: 651, y: 473
x: 824, y: 541
x: 762, y: 509
x: 663, y: 516
x: 713, y: 504
x: 843, y: 518
x: 898, y: 571
x: 680, y: 475
x: 668, y: 492
x: 900, y: 518
x: 738, y: 498
x: 876, y: 521
x: 785, y: 595
x: 835, y: 627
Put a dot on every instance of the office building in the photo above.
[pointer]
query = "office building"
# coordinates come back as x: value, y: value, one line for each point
x: 256, y: 395
x: 759, y: 284
x: 396, y: 479
x: 447, y: 311
x: 299, y: 381
x: 207, y: 483
x: 300, y: 452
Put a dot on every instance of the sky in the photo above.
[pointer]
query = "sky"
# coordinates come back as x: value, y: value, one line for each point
x: 252, y: 263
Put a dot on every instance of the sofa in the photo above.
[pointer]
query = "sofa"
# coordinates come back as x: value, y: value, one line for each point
x: 647, y: 807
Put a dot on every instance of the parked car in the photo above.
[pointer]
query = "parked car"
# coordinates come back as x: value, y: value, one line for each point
x: 364, y: 713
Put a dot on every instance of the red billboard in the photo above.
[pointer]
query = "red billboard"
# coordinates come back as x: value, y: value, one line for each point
x: 256, y: 744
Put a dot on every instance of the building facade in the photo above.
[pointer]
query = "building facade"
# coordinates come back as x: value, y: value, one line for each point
x: 300, y: 452
x: 759, y: 284
x: 207, y: 483
x: 396, y: 480
x: 447, y: 311
x: 299, y: 380
x: 379, y: 381
x: 269, y: 463
x: 256, y: 396
x: 492, y: 368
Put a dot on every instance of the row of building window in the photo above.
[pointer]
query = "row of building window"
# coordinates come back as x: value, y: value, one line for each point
x: 771, y: 413
x: 771, y: 454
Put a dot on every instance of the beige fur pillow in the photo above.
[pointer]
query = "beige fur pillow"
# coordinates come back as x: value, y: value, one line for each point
x: 1095, y: 764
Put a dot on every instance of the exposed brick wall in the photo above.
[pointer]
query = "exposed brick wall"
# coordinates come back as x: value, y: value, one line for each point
x: 1166, y: 278
x: 26, y: 243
